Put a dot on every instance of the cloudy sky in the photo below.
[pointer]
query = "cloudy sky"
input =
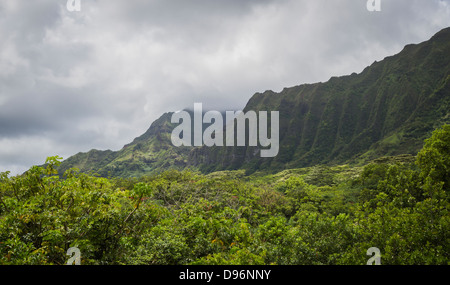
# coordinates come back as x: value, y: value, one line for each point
x: 97, y: 78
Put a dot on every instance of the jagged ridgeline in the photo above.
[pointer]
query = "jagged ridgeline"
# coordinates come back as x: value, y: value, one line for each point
x: 151, y: 152
x: 387, y: 109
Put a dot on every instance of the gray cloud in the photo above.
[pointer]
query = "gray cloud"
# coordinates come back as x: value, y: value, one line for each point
x: 72, y: 81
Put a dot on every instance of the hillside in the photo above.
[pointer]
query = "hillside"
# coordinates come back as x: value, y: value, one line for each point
x: 151, y: 152
x: 388, y: 109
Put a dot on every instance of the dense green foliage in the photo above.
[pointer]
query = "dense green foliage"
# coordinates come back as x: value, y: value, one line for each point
x: 317, y: 215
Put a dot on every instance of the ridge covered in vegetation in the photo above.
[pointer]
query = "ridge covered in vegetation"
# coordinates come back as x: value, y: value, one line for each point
x: 386, y: 110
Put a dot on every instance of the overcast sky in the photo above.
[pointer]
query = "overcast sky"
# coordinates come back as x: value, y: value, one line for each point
x: 97, y: 78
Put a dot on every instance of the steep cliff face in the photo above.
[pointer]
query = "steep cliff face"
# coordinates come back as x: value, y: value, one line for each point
x: 387, y: 109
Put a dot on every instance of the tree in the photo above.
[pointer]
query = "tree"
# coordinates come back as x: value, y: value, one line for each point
x: 434, y: 158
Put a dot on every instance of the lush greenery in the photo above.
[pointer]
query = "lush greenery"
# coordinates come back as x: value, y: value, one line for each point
x: 316, y: 215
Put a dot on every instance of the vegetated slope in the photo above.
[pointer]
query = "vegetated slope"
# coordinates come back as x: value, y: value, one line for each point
x: 150, y: 152
x: 388, y: 109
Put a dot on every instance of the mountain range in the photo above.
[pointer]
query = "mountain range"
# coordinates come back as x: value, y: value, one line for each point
x: 386, y: 110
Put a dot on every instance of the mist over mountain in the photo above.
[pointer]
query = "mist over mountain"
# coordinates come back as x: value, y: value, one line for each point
x: 387, y: 109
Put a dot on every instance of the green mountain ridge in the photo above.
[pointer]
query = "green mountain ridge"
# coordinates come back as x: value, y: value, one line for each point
x: 388, y: 109
x: 152, y: 151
